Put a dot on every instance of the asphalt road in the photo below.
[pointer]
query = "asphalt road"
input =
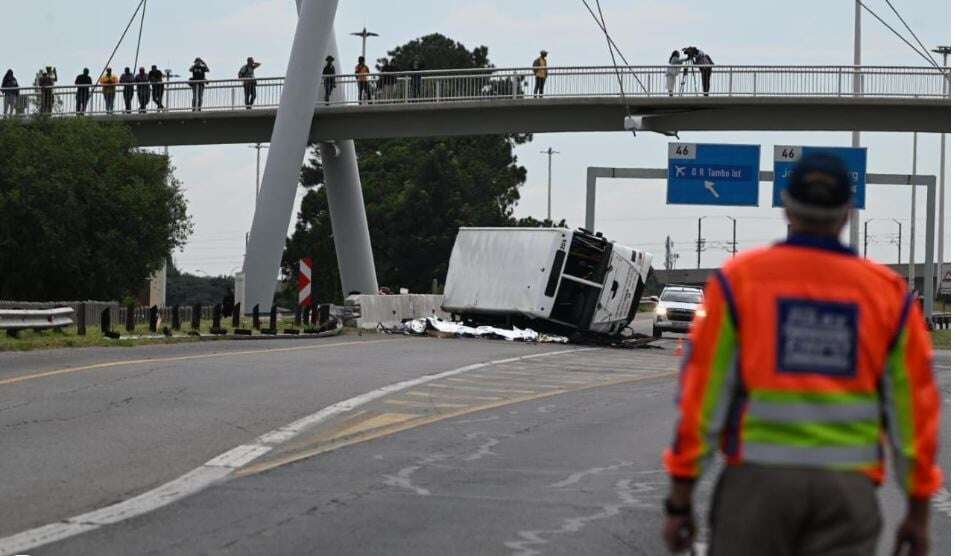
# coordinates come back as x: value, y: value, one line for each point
x: 547, y: 454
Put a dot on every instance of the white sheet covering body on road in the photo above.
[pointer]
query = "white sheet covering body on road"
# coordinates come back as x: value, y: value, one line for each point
x: 573, y: 279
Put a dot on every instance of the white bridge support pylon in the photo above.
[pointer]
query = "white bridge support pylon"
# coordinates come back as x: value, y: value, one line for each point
x: 314, y: 39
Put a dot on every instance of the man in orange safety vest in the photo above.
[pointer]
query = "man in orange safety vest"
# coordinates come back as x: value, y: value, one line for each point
x: 806, y: 360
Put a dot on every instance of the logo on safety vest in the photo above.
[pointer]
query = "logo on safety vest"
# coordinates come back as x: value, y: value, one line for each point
x: 817, y: 337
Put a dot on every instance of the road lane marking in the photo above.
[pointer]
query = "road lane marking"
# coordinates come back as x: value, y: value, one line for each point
x: 443, y: 396
x: 124, y: 362
x: 389, y: 431
x: 424, y: 404
x: 480, y: 389
x: 376, y: 422
x: 224, y: 465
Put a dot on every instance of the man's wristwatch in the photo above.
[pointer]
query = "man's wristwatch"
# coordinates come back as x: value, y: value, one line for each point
x: 676, y: 510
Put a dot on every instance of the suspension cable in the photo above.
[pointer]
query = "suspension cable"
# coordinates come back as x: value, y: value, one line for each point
x: 142, y: 4
x: 913, y: 34
x: 602, y: 27
x: 619, y: 75
x: 142, y: 23
x: 897, y: 34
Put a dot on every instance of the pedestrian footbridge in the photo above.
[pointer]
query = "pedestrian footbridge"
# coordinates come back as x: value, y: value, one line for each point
x: 575, y: 99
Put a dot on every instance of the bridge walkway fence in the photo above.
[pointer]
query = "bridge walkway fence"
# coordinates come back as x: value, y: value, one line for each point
x: 443, y: 86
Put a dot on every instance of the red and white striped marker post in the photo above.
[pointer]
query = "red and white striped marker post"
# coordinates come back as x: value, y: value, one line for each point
x: 304, y: 282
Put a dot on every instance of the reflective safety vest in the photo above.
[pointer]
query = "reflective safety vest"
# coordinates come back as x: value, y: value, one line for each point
x: 809, y: 356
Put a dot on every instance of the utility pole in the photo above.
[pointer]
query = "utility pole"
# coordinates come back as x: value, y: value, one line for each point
x: 258, y: 167
x: 735, y: 244
x: 856, y: 88
x: 699, y: 243
x: 364, y: 34
x: 549, y: 152
x: 866, y: 238
x: 898, y: 222
x: 914, y: 197
x: 942, y: 203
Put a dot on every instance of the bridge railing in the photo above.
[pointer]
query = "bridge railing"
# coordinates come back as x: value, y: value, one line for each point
x: 443, y: 86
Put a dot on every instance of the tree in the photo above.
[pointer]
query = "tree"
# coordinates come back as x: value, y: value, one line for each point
x: 417, y: 192
x: 84, y: 214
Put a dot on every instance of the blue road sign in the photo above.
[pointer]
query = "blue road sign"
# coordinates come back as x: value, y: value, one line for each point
x: 855, y: 158
x: 704, y: 174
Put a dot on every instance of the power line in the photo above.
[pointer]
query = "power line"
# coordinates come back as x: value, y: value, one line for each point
x: 613, y: 43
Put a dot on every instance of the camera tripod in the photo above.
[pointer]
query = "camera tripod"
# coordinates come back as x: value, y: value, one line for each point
x: 690, y: 75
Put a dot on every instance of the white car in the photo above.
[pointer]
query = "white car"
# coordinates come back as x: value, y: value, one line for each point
x: 676, y: 308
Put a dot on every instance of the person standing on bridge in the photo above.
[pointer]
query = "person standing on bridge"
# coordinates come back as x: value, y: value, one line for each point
x: 247, y: 75
x: 109, y: 81
x: 804, y: 357
x: 142, y: 89
x: 672, y: 72
x: 11, y: 93
x: 158, y: 88
x: 328, y: 75
x: 127, y: 79
x: 83, y: 83
x: 361, y: 72
x: 197, y: 82
x: 46, y: 82
x: 540, y: 74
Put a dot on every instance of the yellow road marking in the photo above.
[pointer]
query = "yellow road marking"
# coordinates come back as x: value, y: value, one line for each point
x: 544, y: 382
x: 388, y: 431
x: 424, y: 404
x: 123, y: 362
x: 443, y: 396
x: 376, y: 422
x: 480, y: 389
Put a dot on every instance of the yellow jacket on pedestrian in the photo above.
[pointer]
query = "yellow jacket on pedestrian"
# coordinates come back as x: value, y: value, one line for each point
x: 540, y: 68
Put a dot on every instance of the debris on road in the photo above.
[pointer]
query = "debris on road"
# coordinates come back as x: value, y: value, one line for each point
x: 431, y: 326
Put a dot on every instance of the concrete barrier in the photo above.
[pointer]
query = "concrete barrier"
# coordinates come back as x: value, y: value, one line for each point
x: 390, y: 310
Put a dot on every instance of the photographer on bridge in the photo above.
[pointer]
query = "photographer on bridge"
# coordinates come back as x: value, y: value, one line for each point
x: 704, y: 61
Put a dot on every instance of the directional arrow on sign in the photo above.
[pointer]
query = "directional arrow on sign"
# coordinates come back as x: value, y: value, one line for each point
x: 710, y: 186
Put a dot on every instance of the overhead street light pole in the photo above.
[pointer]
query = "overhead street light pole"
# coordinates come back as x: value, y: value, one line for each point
x: 364, y: 34
x: 898, y: 222
x: 914, y: 211
x: 856, y: 88
x: 699, y: 242
x: 550, y: 152
x: 944, y: 51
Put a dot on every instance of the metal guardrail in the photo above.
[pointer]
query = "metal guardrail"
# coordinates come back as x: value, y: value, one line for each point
x: 13, y: 320
x: 442, y: 86
x: 940, y: 321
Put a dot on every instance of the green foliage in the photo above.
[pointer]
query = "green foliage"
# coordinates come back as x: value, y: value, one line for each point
x: 84, y: 214
x: 417, y: 193
x: 188, y: 289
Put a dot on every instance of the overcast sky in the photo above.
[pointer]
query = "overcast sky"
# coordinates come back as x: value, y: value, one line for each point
x: 219, y: 180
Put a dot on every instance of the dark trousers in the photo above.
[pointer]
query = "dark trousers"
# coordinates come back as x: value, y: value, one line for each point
x: 82, y: 100
x: 706, y: 79
x: 157, y: 91
x: 198, y: 89
x: 143, y: 94
x: 786, y: 511
x: 538, y: 83
x: 128, y: 93
x: 329, y: 86
x: 109, y: 97
x: 46, y: 102
x: 364, y: 91
x: 251, y: 92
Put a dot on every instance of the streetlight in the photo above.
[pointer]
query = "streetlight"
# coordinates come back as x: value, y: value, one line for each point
x: 258, y: 166
x: 944, y: 51
x: 549, y: 152
x: 364, y: 34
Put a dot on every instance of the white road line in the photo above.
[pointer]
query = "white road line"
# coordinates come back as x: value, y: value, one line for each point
x: 220, y: 467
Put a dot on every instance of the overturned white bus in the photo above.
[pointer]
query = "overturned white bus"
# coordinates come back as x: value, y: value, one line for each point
x: 554, y: 279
